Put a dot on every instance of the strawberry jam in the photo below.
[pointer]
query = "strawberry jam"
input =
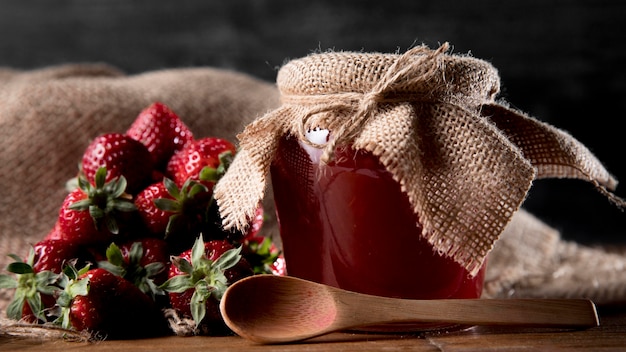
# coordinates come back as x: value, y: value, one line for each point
x: 349, y: 225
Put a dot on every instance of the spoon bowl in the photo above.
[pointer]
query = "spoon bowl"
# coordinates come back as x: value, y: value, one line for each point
x: 293, y: 309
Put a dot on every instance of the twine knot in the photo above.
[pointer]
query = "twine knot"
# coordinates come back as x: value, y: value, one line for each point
x: 417, y: 67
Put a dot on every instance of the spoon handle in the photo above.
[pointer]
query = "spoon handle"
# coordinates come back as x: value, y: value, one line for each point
x: 557, y: 313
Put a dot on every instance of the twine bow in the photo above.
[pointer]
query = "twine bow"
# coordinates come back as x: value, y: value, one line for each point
x: 407, y: 70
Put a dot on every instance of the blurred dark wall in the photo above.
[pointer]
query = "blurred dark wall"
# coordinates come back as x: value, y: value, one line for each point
x: 561, y: 61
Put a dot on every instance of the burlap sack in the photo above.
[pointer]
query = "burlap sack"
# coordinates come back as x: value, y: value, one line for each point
x: 531, y: 260
x: 48, y: 116
x: 465, y: 161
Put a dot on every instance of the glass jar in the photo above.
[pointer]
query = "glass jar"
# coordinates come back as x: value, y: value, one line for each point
x: 348, y: 224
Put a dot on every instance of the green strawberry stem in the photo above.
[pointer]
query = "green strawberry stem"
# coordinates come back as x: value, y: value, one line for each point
x: 133, y: 271
x: 215, y: 174
x: 72, y: 287
x: 202, y: 275
x: 29, y: 286
x: 104, y: 199
x: 262, y: 256
x: 186, y: 217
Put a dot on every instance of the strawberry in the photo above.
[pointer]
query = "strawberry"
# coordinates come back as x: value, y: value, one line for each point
x: 154, y: 218
x: 88, y: 213
x: 260, y: 251
x: 203, y: 160
x: 161, y: 131
x: 256, y: 224
x: 121, y: 155
x: 99, y: 301
x: 264, y: 256
x: 55, y: 254
x: 143, y: 262
x: 34, y: 289
x: 178, y: 215
x: 199, y: 277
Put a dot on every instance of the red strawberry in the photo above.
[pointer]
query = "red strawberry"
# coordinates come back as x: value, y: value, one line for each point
x: 99, y: 301
x: 34, y: 289
x: 121, y: 155
x: 199, y: 277
x: 203, y: 160
x: 161, y: 131
x: 54, y: 254
x: 260, y: 251
x: 88, y: 213
x: 257, y: 223
x: 143, y: 262
x: 178, y: 215
x: 154, y: 218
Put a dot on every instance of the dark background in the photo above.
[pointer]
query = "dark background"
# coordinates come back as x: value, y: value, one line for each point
x: 560, y: 61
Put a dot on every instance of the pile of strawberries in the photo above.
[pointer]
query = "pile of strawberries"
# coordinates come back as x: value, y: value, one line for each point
x: 139, y: 234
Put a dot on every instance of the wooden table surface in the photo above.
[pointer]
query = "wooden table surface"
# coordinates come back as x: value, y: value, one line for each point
x: 609, y: 336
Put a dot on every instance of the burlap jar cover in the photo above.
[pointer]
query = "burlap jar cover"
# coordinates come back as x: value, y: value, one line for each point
x: 465, y: 160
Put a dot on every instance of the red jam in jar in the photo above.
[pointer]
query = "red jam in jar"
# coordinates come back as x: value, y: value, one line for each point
x: 349, y: 225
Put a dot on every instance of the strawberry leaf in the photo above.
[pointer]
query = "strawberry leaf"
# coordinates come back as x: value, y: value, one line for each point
x: 178, y: 284
x: 7, y: 281
x: 153, y: 269
x: 79, y: 288
x: 34, y: 302
x: 100, y: 177
x: 198, y: 306
x: 118, y: 187
x: 114, y: 255
x: 84, y: 184
x: 15, y: 257
x: 228, y: 259
x: 136, y: 253
x: 196, y: 189
x: 226, y: 158
x: 95, y: 211
x: 46, y: 282
x: 171, y: 188
x: 167, y: 204
x: 111, y: 225
x: 182, y: 265
x: 123, y: 205
x: 80, y: 205
x: 208, y: 174
x: 14, y: 309
x: 20, y: 268
x: 197, y: 252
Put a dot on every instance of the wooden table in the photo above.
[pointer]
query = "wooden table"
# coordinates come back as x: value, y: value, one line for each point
x: 609, y: 336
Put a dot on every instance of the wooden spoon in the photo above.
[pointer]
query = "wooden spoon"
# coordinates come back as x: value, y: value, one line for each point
x: 274, y: 309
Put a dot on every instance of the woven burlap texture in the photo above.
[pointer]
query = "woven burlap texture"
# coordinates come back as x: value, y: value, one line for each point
x: 465, y: 161
x: 531, y: 260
